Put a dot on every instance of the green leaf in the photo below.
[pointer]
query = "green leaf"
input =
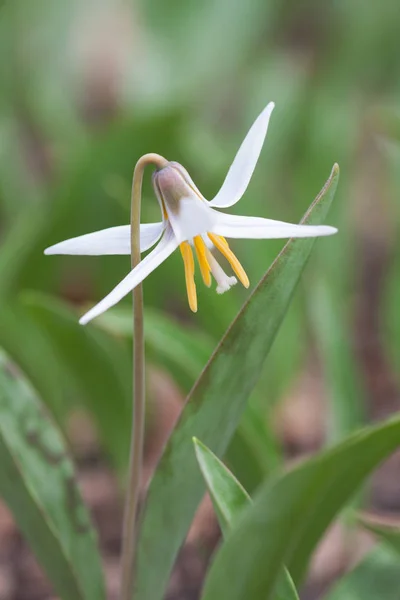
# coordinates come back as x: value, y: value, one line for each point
x: 215, y: 406
x: 390, y: 535
x: 228, y: 496
x: 376, y: 576
x: 37, y: 481
x: 229, y: 499
x: 290, y: 515
x: 184, y: 352
x: 96, y: 364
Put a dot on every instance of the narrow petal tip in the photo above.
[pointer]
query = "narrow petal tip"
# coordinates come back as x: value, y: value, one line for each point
x: 244, y: 163
x: 90, y: 315
x: 84, y: 320
x: 327, y: 230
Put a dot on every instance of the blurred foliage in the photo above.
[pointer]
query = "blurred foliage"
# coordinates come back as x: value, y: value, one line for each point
x: 93, y: 85
x: 89, y: 86
x: 377, y: 575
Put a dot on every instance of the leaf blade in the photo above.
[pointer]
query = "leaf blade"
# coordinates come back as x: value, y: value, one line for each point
x: 229, y: 499
x: 289, y: 516
x: 99, y: 365
x: 211, y: 414
x: 228, y: 495
x: 37, y: 481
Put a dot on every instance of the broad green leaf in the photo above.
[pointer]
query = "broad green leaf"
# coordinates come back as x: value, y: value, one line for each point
x: 390, y: 535
x: 184, y: 352
x: 376, y: 576
x: 96, y: 365
x: 289, y: 516
x: 37, y: 481
x: 229, y: 499
x: 228, y: 495
x: 215, y: 406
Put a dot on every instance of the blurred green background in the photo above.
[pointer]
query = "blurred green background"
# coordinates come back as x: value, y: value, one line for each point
x: 89, y: 86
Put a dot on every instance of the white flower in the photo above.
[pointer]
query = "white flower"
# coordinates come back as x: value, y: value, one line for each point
x: 189, y: 220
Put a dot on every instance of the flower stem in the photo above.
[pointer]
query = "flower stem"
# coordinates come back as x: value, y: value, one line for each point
x: 136, y: 452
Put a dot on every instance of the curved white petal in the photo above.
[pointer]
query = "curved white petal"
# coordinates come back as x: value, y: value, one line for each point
x: 115, y: 240
x: 193, y: 217
x: 234, y: 226
x: 245, y: 161
x: 150, y: 233
x: 166, y: 246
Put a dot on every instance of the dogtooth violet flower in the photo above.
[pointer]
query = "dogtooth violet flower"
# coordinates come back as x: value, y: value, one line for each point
x: 190, y: 222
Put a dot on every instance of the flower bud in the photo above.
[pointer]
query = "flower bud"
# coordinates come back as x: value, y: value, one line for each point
x: 172, y: 184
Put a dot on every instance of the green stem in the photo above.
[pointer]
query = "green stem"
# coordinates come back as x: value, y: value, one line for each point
x: 136, y: 451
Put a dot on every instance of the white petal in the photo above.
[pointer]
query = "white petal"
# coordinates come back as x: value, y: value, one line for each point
x: 234, y: 226
x: 115, y: 240
x: 194, y: 217
x: 167, y: 245
x: 189, y: 214
x: 242, y: 168
x: 150, y: 233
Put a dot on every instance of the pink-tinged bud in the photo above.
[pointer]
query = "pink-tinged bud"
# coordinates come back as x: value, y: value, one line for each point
x: 172, y: 184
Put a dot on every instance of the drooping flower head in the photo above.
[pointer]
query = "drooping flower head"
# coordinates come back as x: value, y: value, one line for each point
x: 190, y: 222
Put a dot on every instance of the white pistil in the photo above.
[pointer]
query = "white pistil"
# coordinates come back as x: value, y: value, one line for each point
x: 223, y: 280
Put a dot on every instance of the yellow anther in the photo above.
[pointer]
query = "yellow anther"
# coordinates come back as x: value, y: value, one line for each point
x: 222, y: 245
x: 201, y: 252
x: 223, y: 240
x: 188, y: 261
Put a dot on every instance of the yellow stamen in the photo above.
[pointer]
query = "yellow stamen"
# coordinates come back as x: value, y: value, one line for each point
x: 223, y: 240
x: 222, y: 245
x: 201, y: 252
x: 188, y: 261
